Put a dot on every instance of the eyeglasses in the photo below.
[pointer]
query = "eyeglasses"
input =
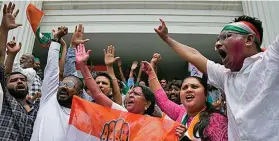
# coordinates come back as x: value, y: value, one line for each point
x: 225, y: 35
x: 67, y: 84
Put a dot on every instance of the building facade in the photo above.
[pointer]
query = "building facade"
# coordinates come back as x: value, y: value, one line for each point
x: 129, y: 24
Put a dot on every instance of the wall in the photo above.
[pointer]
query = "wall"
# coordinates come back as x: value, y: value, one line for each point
x: 138, y: 16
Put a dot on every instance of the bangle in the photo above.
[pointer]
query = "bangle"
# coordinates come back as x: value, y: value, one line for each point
x: 113, y: 78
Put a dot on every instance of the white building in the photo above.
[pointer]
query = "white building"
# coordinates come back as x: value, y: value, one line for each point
x: 128, y: 25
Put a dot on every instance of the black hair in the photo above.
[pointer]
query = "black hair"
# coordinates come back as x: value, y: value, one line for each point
x: 206, y: 114
x: 176, y: 83
x: 80, y: 84
x: 257, y: 23
x: 164, y: 79
x: 204, y: 120
x: 149, y: 96
x: 202, y: 80
x: 14, y: 73
x: 105, y: 75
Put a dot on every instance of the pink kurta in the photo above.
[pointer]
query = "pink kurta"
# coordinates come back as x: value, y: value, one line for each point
x: 217, y: 129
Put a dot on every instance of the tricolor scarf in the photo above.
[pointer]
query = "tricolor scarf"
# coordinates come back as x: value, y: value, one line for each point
x: 190, y: 130
x: 244, y: 28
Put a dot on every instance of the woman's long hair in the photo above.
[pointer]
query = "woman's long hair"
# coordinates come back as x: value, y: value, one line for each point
x: 204, y: 115
x: 204, y: 121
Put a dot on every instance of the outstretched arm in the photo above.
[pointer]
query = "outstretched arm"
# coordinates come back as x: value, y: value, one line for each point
x: 51, y: 75
x: 77, y: 38
x: 189, y: 54
x: 8, y: 23
x: 154, y: 61
x: 81, y: 59
x: 12, y: 50
x: 120, y: 71
x: 109, y: 60
x: 170, y: 108
x: 139, y: 75
x: 62, y: 59
x: 131, y: 75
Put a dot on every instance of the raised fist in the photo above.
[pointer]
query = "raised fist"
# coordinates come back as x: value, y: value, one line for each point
x: 115, y: 130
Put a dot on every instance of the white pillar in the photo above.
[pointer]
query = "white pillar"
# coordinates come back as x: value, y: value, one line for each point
x: 267, y: 12
x: 23, y: 34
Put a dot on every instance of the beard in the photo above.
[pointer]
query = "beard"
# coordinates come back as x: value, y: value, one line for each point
x: 64, y: 100
x: 18, y: 94
x: 36, y: 69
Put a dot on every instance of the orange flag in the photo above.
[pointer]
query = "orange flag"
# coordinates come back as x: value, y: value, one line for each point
x: 34, y: 16
x: 92, y: 122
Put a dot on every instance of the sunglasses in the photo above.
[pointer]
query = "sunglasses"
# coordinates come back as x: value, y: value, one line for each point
x: 67, y: 84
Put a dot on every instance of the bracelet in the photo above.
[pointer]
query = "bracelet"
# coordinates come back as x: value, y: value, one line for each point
x: 113, y: 78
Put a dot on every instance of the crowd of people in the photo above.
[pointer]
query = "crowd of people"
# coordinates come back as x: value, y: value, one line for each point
x: 234, y: 101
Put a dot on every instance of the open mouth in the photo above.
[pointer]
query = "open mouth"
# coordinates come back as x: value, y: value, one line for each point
x: 222, y: 53
x: 130, y: 102
x: 63, y: 93
x: 20, y: 87
x: 189, y: 97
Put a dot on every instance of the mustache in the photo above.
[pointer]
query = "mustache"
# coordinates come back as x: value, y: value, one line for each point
x: 63, y: 90
x: 20, y: 86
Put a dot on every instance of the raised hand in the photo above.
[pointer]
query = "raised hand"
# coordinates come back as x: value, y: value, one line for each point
x: 61, y: 32
x: 162, y: 30
x: 134, y: 65
x: 38, y: 95
x: 156, y: 58
x: 8, y: 20
x: 13, y: 48
x: 119, y: 63
x: 147, y: 68
x: 109, y: 56
x: 81, y: 55
x: 180, y: 130
x: 77, y: 37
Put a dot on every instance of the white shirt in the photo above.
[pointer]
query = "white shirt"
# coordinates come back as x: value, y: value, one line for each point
x: 118, y: 107
x: 252, y: 95
x: 52, y: 119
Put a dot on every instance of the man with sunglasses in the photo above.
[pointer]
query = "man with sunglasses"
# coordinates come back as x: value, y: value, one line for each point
x: 248, y: 77
x: 52, y: 119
